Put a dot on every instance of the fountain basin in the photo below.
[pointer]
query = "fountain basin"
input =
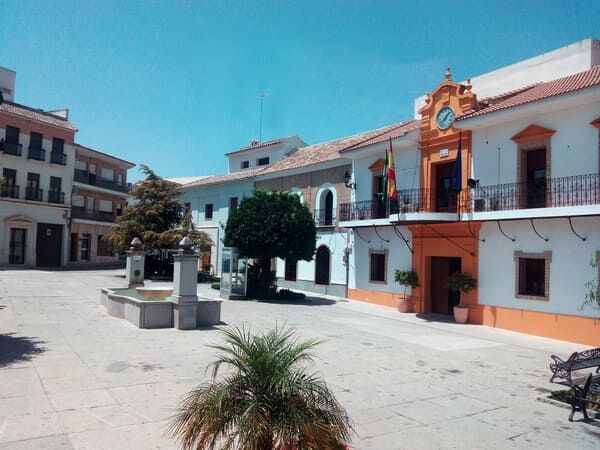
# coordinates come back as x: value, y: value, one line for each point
x: 154, y: 312
x: 154, y: 291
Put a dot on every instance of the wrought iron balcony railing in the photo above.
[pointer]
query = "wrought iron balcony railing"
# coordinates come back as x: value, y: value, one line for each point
x: 83, y: 176
x: 9, y: 191
x: 12, y: 148
x: 34, y: 194
x: 543, y: 193
x: 99, y: 216
x: 58, y: 158
x: 324, y: 217
x: 56, y: 197
x: 36, y: 153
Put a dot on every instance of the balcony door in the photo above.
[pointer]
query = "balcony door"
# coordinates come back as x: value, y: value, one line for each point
x: 445, y: 195
x: 535, y: 178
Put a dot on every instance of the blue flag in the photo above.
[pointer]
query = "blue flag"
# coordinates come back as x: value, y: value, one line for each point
x: 457, y: 180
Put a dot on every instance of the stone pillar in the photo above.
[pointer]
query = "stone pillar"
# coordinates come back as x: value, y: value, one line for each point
x: 134, y: 269
x: 185, y: 280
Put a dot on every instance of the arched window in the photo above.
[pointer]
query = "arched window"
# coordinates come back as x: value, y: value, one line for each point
x: 325, y: 205
x: 322, y: 261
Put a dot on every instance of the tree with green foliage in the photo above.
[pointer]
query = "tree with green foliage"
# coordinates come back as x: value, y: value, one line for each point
x: 592, y: 294
x: 154, y: 216
x: 268, y: 400
x: 270, y: 225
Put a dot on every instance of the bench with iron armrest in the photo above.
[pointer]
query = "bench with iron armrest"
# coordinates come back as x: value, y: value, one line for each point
x: 562, y: 370
x: 579, y: 398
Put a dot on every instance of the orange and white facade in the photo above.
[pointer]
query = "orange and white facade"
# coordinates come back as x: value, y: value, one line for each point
x: 523, y: 218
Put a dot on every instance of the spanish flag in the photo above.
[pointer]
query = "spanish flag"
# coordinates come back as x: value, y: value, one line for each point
x: 391, y: 193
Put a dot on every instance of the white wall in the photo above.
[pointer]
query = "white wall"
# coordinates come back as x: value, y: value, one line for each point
x: 218, y: 195
x: 399, y: 257
x: 574, y: 145
x: 36, y: 213
x: 335, y: 241
x: 46, y: 170
x: 406, y: 160
x: 569, y: 269
x: 275, y: 152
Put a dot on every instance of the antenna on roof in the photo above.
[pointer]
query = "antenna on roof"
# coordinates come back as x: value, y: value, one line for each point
x: 262, y: 96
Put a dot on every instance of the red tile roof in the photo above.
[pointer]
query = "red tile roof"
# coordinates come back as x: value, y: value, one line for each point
x: 537, y: 92
x: 36, y: 114
x: 233, y: 176
x: 104, y: 155
x: 327, y: 151
x: 258, y: 145
x: 404, y: 128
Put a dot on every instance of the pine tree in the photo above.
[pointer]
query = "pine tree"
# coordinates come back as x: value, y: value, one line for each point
x: 154, y: 216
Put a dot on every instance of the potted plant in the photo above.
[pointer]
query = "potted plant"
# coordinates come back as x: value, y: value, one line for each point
x: 406, y: 278
x: 461, y: 282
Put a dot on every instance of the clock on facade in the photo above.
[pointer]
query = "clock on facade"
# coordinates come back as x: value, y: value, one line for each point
x: 445, y: 118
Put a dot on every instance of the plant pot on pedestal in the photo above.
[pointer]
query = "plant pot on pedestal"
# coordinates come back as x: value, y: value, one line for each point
x: 403, y: 304
x: 461, y: 314
x: 406, y: 278
x: 461, y: 282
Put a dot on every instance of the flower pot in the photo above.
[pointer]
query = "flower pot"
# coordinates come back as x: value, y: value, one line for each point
x: 403, y: 304
x: 461, y: 314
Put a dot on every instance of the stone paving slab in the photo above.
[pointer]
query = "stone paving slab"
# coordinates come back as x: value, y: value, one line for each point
x: 72, y: 377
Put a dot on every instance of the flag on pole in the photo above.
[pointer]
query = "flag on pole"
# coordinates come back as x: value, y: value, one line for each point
x: 392, y: 194
x: 457, y: 181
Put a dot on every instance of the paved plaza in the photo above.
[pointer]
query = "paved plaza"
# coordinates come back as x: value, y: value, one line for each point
x: 73, y: 377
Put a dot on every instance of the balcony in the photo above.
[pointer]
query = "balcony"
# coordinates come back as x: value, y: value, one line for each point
x: 9, y: 191
x: 324, y: 217
x: 11, y: 148
x: 36, y: 153
x: 58, y: 158
x: 98, y: 216
x: 56, y: 197
x: 578, y: 190
x: 83, y: 176
x: 36, y: 195
x: 409, y: 201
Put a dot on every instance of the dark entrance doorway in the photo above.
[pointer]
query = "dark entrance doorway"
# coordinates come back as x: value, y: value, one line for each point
x: 322, y: 265
x: 535, y: 182
x: 16, y: 253
x: 73, y: 250
x: 328, y: 208
x: 442, y: 299
x: 49, y: 245
x: 445, y: 195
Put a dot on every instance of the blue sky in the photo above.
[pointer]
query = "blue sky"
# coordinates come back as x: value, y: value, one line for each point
x: 175, y: 85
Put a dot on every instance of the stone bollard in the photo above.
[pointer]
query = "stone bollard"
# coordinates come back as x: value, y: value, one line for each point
x: 185, y: 279
x: 134, y: 269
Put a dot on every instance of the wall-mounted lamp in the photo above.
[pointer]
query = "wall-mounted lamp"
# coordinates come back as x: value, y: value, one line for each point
x: 347, y: 182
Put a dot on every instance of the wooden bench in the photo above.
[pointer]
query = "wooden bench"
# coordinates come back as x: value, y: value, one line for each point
x: 563, y: 370
x: 579, y: 400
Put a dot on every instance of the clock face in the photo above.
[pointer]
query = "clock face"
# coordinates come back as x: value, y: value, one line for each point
x: 445, y: 118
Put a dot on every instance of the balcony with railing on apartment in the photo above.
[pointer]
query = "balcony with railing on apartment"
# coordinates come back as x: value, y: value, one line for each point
x: 55, y: 196
x: 38, y: 154
x: 12, y: 148
x: 325, y: 217
x: 34, y: 194
x: 58, y: 158
x: 79, y: 212
x: 9, y: 191
x: 83, y: 176
x: 577, y: 192
x: 534, y: 198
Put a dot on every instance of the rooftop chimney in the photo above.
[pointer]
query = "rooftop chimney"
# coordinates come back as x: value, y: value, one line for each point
x: 7, y: 84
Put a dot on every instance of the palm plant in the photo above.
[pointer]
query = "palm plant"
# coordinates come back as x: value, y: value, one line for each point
x: 267, y: 401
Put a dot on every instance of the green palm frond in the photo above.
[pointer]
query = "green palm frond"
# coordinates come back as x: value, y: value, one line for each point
x: 267, y: 401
